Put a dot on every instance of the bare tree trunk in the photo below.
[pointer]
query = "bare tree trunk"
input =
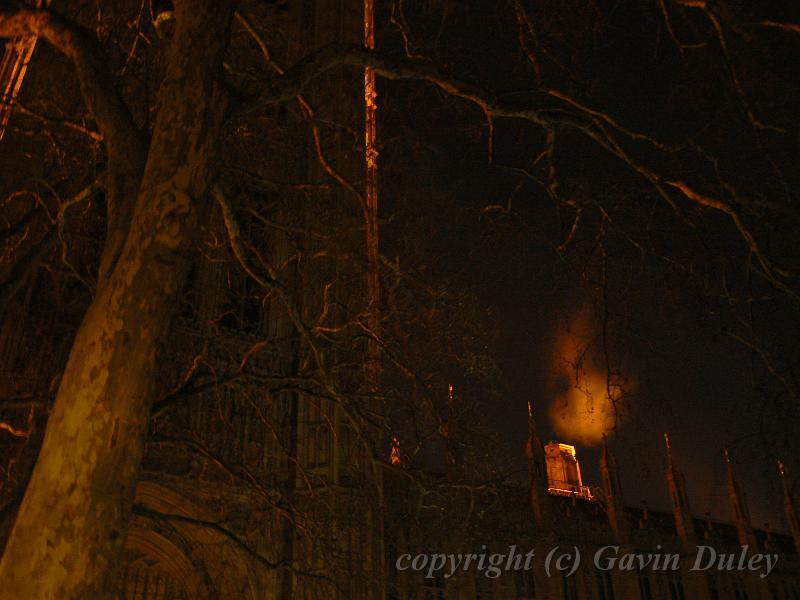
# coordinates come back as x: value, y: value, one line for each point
x: 68, y: 539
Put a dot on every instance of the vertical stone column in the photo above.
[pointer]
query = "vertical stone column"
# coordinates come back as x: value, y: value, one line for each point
x: 615, y: 504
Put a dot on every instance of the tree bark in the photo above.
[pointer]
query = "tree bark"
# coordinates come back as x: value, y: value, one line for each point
x: 68, y: 538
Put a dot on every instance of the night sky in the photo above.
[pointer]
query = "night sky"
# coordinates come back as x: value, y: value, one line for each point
x: 265, y: 291
x: 655, y: 300
x: 666, y: 300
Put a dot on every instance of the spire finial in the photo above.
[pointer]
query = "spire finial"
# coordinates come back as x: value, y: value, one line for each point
x: 789, y: 506
x: 669, y: 450
x: 784, y: 478
x: 530, y: 408
x: 606, y: 449
x: 744, y: 528
x: 395, y: 457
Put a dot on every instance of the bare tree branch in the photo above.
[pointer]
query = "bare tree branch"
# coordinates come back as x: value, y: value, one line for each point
x: 97, y: 83
x: 125, y: 143
x: 592, y: 123
x: 80, y: 128
x: 39, y: 250
x: 790, y: 27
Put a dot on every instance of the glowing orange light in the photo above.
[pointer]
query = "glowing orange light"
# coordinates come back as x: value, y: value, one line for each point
x: 395, y: 457
x: 586, y: 407
x: 13, y: 67
x: 564, y: 472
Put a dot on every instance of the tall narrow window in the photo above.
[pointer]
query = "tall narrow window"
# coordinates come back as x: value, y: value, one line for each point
x: 434, y: 587
x: 645, y: 589
x: 605, y: 586
x: 525, y: 584
x: 482, y: 587
x: 739, y: 590
x: 351, y: 455
x: 713, y: 590
x: 145, y: 582
x: 319, y: 436
x: 570, y: 587
x: 675, y: 586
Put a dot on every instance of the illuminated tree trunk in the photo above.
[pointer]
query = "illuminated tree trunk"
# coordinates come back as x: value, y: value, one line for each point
x: 68, y: 538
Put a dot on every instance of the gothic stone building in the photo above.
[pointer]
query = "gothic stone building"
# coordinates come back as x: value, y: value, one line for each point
x: 257, y: 485
x: 559, y: 515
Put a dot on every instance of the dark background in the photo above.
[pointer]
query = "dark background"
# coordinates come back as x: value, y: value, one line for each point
x: 670, y: 298
x: 669, y: 303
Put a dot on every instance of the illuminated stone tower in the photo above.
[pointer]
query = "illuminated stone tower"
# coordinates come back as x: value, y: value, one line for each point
x: 537, y: 469
x: 744, y: 527
x: 314, y: 510
x: 564, y: 472
x: 615, y: 503
x: 680, y: 501
x: 13, y: 66
x: 789, y: 507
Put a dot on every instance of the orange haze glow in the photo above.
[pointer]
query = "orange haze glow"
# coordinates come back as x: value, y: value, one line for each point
x: 584, y: 405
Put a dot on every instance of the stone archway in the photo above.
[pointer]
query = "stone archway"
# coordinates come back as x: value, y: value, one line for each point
x: 187, y: 561
x: 156, y: 569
